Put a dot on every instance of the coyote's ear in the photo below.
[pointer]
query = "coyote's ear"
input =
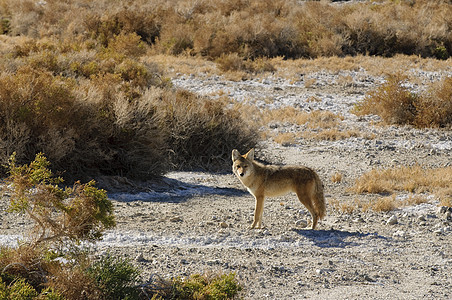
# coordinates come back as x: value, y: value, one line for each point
x: 235, y: 155
x: 250, y: 154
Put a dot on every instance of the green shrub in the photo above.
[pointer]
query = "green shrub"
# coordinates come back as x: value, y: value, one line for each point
x: 79, y: 213
x: 196, y: 286
x: 4, y: 26
x: 115, y: 277
x: 20, y: 290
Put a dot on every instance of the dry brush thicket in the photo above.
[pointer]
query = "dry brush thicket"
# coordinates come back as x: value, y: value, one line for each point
x: 396, y: 104
x: 251, y: 29
x: 78, y: 81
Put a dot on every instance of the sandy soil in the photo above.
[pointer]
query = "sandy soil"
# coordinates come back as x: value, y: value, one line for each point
x: 194, y: 222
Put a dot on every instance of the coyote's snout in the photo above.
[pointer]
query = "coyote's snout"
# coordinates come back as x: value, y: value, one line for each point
x: 269, y: 181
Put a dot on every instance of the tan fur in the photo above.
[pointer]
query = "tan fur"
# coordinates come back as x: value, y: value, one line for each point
x: 269, y: 181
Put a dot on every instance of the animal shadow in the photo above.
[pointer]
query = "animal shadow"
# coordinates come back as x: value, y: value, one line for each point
x: 337, y: 238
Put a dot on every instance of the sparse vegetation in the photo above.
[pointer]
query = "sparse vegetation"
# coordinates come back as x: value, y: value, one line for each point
x: 250, y: 29
x: 336, y: 177
x: 414, y: 179
x: 79, y: 213
x: 99, y: 111
x: 197, y: 286
x: 406, y: 178
x: 44, y: 268
x: 395, y: 104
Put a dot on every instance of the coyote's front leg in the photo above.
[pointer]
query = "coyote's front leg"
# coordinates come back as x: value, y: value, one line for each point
x: 258, y: 210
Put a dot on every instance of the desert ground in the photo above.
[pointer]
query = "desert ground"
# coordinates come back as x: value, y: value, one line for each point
x: 196, y: 222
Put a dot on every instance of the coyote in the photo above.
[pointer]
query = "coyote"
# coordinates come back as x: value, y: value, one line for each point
x: 269, y: 181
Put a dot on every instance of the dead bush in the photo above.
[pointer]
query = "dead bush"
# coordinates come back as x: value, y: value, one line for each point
x: 393, y: 102
x: 202, y: 132
x: 435, y: 106
x: 42, y: 112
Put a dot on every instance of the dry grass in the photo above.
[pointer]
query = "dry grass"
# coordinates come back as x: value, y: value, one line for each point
x: 318, y: 125
x: 414, y: 179
x: 379, y: 204
x: 336, y: 177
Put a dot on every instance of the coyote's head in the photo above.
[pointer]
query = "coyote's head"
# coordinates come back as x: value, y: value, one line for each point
x: 242, y: 165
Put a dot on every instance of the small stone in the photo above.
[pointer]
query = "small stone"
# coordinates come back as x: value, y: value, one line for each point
x: 421, y: 218
x: 442, y: 210
x: 224, y: 225
x: 400, y: 233
x: 176, y: 219
x: 301, y: 223
x: 140, y: 258
x: 392, y: 220
x: 358, y: 220
x: 439, y: 231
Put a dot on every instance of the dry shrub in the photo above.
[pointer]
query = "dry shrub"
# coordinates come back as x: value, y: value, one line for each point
x: 320, y: 125
x: 128, y: 44
x: 107, y: 117
x: 256, y: 28
x: 104, y: 26
x: 435, y: 107
x: 26, y: 262
x: 285, y: 138
x: 286, y: 114
x: 349, y: 206
x: 393, y: 102
x: 73, y: 282
x: 415, y: 179
x: 202, y: 132
x: 336, y: 177
x: 384, y: 204
x: 233, y: 62
x: 332, y: 134
x: 43, y: 113
x: 323, y: 119
x: 230, y: 62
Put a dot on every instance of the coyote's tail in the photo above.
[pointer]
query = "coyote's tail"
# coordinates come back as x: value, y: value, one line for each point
x: 319, y: 204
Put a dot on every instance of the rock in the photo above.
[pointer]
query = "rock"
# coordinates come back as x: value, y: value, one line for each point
x: 399, y: 233
x: 439, y: 231
x: 358, y: 220
x: 140, y: 258
x: 224, y: 225
x: 301, y: 223
x: 392, y: 220
x: 421, y: 218
x: 442, y: 210
x: 176, y: 219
